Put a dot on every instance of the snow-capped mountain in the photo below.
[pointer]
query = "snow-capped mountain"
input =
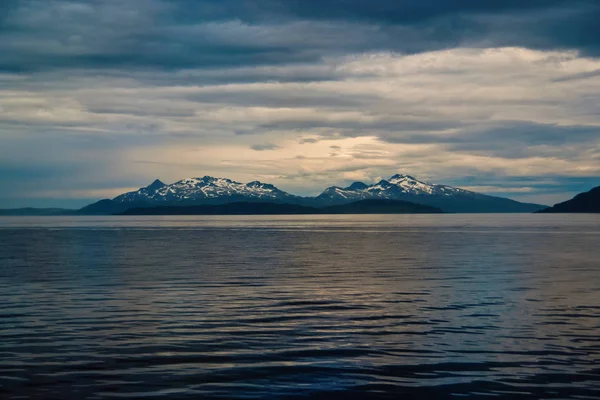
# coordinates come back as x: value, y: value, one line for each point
x: 205, y: 188
x: 389, y: 189
x: 212, y: 191
x: 192, y: 191
x: 408, y: 188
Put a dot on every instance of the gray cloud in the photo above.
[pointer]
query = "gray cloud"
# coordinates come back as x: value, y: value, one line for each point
x: 309, y: 140
x: 265, y: 146
x: 511, y: 139
x: 518, y: 140
x: 379, y: 125
x: 58, y: 34
x: 278, y: 99
x: 87, y: 86
x: 581, y: 75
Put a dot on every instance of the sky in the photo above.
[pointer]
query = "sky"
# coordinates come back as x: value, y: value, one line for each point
x: 100, y: 97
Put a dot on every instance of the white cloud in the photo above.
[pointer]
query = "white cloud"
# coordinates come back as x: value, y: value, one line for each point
x: 387, y: 112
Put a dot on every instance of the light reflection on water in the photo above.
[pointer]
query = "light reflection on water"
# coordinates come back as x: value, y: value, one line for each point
x: 274, y: 307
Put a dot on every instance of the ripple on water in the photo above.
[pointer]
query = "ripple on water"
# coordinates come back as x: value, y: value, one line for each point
x: 402, y: 306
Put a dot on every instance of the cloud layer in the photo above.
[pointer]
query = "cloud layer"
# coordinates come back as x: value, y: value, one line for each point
x: 100, y: 96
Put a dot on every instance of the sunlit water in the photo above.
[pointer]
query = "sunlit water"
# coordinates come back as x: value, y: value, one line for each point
x: 349, y: 307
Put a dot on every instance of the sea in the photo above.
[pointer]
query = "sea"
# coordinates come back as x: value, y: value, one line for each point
x: 300, y: 307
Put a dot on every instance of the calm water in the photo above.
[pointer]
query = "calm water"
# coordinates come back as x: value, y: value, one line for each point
x: 427, y: 306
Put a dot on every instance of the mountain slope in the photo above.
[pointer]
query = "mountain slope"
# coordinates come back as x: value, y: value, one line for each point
x: 205, y: 188
x: 213, y: 191
x: 587, y: 202
x: 407, y: 188
x: 371, y: 206
x: 191, y: 191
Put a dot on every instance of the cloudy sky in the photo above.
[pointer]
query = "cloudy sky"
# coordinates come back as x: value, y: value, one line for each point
x: 98, y: 97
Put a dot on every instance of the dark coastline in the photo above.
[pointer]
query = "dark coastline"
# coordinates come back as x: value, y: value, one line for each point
x: 261, y: 208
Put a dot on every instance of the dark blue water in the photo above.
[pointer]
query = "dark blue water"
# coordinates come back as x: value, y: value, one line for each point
x: 429, y: 306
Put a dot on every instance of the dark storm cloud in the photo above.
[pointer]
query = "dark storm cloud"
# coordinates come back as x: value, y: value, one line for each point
x: 547, y: 23
x: 399, y: 11
x: 177, y: 34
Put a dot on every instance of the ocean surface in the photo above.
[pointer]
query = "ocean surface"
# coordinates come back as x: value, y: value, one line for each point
x: 326, y: 307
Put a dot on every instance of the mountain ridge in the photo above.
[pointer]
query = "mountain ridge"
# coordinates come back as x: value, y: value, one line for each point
x: 408, y: 188
x: 209, y: 190
x: 205, y: 188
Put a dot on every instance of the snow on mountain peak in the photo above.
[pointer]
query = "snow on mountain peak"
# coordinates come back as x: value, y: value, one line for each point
x: 398, y: 177
x: 398, y: 186
x: 212, y: 190
x: 205, y: 188
x: 411, y: 185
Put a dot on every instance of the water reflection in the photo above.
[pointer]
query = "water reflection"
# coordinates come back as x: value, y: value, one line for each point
x: 403, y: 306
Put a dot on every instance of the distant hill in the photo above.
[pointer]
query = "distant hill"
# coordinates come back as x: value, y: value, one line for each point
x: 29, y: 211
x: 588, y: 202
x: 262, y: 208
x: 214, y: 191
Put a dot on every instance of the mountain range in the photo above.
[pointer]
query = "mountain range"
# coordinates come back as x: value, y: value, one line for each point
x: 193, y: 191
x: 407, y: 188
x: 214, y: 191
